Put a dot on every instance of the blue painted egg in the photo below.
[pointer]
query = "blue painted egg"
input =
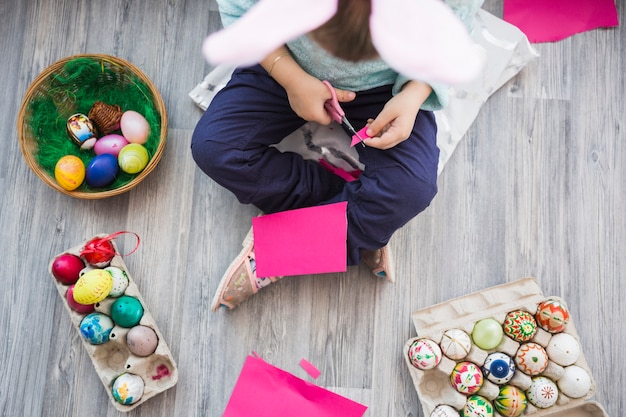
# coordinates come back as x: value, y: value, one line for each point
x: 96, y: 328
x: 499, y: 368
x: 102, y: 170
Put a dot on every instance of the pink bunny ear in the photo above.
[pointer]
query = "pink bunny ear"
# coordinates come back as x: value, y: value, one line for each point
x: 266, y: 26
x: 424, y: 40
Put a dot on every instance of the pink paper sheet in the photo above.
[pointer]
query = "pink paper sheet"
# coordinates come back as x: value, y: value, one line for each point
x: 554, y: 20
x: 304, y: 241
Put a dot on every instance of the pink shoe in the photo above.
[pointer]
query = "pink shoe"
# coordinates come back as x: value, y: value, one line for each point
x: 240, y: 281
x: 380, y: 261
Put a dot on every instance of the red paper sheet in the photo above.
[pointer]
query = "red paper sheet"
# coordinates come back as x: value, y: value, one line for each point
x: 303, y: 241
x: 553, y: 20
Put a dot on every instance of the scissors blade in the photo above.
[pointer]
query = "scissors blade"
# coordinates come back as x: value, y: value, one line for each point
x: 348, y: 126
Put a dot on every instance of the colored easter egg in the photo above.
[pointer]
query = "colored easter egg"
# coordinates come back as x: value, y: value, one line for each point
x: 444, y: 411
x: 531, y: 358
x: 81, y: 130
x: 126, y: 311
x: 93, y: 287
x: 477, y: 406
x: 424, y: 354
x: 77, y: 307
x: 542, y: 392
x: 575, y: 382
x: 142, y: 340
x: 120, y: 281
x: 499, y: 368
x: 101, y: 171
x: 69, y: 172
x: 520, y: 325
x: 96, y: 328
x: 466, y: 378
x: 133, y: 158
x: 127, y: 388
x: 98, y: 252
x: 487, y: 333
x: 510, y: 402
x: 563, y: 349
x: 110, y: 144
x: 552, y: 316
x: 66, y: 268
x: 135, y: 127
x: 455, y: 344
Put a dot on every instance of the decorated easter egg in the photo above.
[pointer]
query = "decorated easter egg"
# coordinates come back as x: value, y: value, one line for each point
x: 126, y: 311
x: 542, y: 392
x: 101, y: 171
x: 96, y: 328
x: 520, y: 325
x: 69, y: 172
x: 477, y: 406
x: 66, y: 268
x: 424, y: 354
x: 455, y: 344
x: 77, y: 307
x: 499, y: 368
x: 563, y: 349
x: 444, y: 411
x: 81, y: 130
x: 142, y: 340
x: 135, y: 127
x: 511, y: 401
x: 552, y: 316
x: 531, y: 358
x: 466, y: 377
x: 487, y: 333
x: 133, y: 158
x: 110, y: 144
x: 120, y: 281
x: 127, y: 388
x: 93, y: 287
x: 575, y: 382
x: 98, y: 252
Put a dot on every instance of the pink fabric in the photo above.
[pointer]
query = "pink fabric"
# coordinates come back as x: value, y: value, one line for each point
x: 554, y: 20
x: 263, y: 390
x: 304, y: 241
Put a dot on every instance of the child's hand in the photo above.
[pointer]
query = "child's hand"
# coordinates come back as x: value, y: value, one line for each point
x: 394, y: 123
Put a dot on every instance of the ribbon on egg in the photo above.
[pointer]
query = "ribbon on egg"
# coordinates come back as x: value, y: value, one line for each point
x: 102, y: 245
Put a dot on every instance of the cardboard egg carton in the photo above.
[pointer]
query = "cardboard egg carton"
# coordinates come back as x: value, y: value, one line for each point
x: 434, y: 387
x: 112, y: 358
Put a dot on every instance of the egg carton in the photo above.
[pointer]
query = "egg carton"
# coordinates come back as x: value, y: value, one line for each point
x: 434, y: 387
x: 113, y: 358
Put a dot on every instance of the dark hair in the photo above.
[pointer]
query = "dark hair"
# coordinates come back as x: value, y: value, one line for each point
x: 347, y: 34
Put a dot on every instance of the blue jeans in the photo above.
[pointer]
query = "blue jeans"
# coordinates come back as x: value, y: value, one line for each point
x: 231, y: 144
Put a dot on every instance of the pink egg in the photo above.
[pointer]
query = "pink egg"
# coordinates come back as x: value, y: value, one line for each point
x: 75, y: 305
x: 110, y: 144
x: 135, y: 127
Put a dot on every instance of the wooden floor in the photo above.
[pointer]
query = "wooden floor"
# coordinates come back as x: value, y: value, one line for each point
x: 537, y: 188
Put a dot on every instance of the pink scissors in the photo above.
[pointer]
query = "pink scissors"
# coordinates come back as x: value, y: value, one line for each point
x: 337, y: 114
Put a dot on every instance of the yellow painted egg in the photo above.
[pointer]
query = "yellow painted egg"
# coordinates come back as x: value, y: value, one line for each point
x: 69, y: 172
x: 133, y: 158
x: 93, y: 287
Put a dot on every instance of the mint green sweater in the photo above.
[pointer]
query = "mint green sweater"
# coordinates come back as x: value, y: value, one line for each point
x: 347, y: 75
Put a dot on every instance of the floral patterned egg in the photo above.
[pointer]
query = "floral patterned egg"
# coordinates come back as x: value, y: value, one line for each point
x: 520, y: 325
x: 511, y: 401
x: 542, y: 392
x: 466, y: 378
x: 499, y: 368
x: 531, y: 359
x: 477, y: 406
x: 424, y: 354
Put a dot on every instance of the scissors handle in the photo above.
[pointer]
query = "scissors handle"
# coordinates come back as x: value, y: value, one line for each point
x: 332, y: 105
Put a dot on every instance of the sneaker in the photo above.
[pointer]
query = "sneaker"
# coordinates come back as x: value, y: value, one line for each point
x: 380, y: 261
x: 240, y: 281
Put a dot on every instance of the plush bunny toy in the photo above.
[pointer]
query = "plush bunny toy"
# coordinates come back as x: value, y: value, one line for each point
x: 442, y: 50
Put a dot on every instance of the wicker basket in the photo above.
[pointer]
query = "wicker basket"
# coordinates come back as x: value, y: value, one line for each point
x: 124, y: 73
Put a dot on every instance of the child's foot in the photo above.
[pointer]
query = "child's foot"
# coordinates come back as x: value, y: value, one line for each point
x: 240, y: 280
x: 380, y: 261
